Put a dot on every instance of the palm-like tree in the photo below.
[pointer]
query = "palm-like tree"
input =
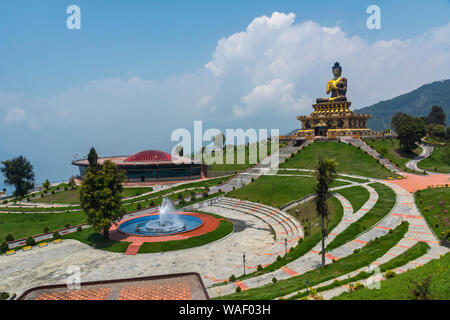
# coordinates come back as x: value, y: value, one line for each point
x: 325, y: 175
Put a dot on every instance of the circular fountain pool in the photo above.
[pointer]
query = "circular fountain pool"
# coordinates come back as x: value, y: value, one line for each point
x: 156, y: 225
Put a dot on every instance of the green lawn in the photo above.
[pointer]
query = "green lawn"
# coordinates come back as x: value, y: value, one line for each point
x: 434, y: 204
x: 386, y: 201
x: 439, y: 161
x: 397, y: 288
x: 357, y: 196
x: 275, y: 190
x: 225, y: 228
x: 393, y: 152
x: 66, y: 197
x: 369, y: 253
x: 350, y: 159
x: 22, y: 225
x: 305, y: 212
x: 96, y: 240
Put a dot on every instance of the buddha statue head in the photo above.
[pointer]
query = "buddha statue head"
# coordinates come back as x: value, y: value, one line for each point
x: 337, y: 70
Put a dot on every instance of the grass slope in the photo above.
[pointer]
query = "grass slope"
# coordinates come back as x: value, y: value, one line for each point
x: 277, y: 190
x: 386, y: 201
x: 350, y: 159
x: 434, y: 204
x: 357, y: 196
x: 439, y: 160
x: 397, y: 288
x: 416, y: 251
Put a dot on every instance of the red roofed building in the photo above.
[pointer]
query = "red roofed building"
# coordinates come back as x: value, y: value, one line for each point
x: 152, y: 166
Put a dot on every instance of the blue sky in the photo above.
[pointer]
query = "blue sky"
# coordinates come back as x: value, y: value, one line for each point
x: 143, y: 68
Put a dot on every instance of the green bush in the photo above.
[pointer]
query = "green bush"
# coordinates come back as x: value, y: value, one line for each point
x: 30, y: 241
x: 205, y: 194
x: 9, y: 237
x: 4, y: 247
x: 238, y: 289
x: 139, y: 206
x: 389, y: 274
x: 46, y: 230
x: 152, y: 203
x: 232, y: 278
x: 274, y: 280
x: 79, y: 229
x: 259, y: 267
x: 56, y: 235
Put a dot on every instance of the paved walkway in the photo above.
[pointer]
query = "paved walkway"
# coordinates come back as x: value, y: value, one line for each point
x: 426, y: 152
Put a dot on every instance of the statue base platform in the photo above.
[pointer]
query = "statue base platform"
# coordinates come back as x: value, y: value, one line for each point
x: 334, y: 119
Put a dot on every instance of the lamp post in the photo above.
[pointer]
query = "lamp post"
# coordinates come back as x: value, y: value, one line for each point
x: 243, y: 259
x: 285, y: 246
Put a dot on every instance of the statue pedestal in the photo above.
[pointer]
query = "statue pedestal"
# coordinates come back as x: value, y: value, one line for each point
x: 335, y: 119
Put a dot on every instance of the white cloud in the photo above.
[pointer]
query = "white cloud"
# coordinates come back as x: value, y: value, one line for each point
x: 14, y: 115
x: 275, y: 96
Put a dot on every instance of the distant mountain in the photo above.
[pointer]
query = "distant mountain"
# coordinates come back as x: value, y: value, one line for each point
x: 416, y: 103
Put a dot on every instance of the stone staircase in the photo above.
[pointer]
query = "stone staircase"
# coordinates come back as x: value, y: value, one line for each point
x: 284, y: 225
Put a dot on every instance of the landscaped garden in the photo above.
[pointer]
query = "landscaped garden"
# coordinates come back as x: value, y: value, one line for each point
x: 369, y: 253
x: 386, y: 201
x: 350, y: 159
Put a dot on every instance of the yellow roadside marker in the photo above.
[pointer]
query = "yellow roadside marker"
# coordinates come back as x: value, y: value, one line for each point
x: 26, y: 248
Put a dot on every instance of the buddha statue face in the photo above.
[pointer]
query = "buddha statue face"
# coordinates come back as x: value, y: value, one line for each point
x: 337, y: 72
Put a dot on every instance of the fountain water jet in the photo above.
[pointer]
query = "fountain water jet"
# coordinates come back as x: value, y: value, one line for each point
x: 168, y: 222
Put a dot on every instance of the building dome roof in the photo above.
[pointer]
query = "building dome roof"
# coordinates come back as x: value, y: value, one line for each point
x: 149, y: 156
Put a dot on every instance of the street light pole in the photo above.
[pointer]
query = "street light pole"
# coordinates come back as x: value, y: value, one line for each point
x: 285, y: 245
x: 243, y: 258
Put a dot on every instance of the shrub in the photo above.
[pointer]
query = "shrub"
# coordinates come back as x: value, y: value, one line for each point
x: 9, y: 238
x: 232, y: 278
x: 67, y: 225
x: 4, y: 247
x: 389, y: 274
x: 30, y: 241
x: 420, y: 290
x: 356, y: 250
x: 5, y: 201
x: 56, y: 235
x: 152, y: 203
x: 46, y: 230
x: 182, y: 201
x: 53, y: 191
x: 278, y: 258
x: 79, y: 229
x: 65, y: 188
x: 42, y: 195
x: 274, y: 280
x: 139, y: 206
x: 259, y: 267
x: 205, y: 194
x: 238, y: 289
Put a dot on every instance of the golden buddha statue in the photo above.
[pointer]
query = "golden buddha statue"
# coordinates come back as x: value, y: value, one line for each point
x: 337, y: 86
